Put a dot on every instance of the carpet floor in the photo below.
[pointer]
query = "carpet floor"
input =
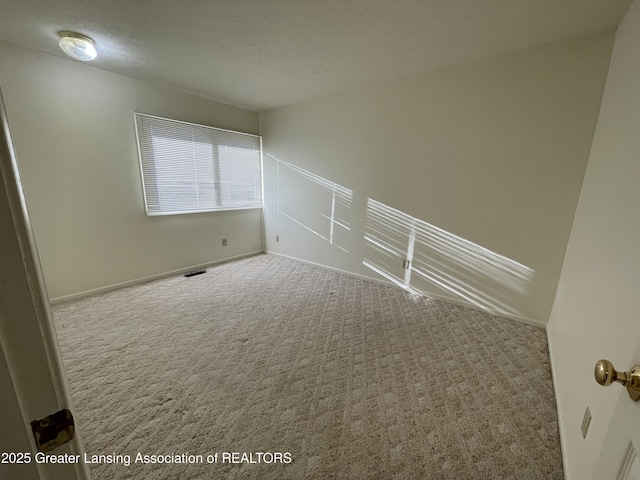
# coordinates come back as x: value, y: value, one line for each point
x: 311, y: 374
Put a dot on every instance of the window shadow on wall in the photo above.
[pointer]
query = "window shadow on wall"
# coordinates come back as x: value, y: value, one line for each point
x: 421, y: 257
x: 405, y: 250
x: 315, y: 203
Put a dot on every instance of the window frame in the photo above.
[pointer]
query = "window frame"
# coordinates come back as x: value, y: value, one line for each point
x: 203, y: 210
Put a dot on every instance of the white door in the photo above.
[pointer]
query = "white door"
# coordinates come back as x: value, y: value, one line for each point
x: 620, y: 456
x: 32, y: 382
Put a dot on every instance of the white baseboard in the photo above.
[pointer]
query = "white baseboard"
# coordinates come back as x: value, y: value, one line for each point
x: 517, y: 318
x: 150, y: 278
x: 180, y: 271
x: 347, y: 272
x: 444, y: 298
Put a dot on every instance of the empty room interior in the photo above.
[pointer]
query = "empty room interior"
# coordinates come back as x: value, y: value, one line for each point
x: 320, y: 239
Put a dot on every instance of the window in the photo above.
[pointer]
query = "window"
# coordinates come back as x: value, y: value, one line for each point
x: 189, y: 168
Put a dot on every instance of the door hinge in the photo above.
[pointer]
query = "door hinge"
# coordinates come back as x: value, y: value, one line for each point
x: 53, y: 430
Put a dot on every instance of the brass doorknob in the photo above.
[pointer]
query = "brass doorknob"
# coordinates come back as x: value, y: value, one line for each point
x: 606, y: 374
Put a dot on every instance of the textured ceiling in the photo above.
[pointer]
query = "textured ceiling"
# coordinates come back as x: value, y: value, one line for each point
x: 261, y: 54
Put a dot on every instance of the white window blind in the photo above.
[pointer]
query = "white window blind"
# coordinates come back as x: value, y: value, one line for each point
x: 190, y: 168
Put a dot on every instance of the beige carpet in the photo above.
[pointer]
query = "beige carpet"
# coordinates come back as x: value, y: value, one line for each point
x: 355, y: 380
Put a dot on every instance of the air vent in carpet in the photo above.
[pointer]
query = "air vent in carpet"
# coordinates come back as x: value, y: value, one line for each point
x: 195, y: 272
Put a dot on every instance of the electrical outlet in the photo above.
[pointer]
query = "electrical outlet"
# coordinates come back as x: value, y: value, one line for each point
x: 224, y: 242
x: 586, y: 421
x: 277, y: 238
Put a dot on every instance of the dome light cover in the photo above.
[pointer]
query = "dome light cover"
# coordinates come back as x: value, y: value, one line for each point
x: 77, y: 46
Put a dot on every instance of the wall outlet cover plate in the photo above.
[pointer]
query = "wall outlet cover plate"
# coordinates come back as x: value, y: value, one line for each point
x: 586, y: 421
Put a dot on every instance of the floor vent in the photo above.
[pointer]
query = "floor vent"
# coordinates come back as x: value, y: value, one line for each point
x: 195, y: 272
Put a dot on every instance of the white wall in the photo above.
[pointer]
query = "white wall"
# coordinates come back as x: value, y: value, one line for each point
x: 74, y: 136
x: 486, y: 161
x: 596, y: 313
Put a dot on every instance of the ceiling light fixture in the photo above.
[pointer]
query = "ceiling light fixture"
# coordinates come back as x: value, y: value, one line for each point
x: 77, y: 46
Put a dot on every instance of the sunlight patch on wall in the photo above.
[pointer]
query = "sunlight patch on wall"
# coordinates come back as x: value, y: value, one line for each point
x: 313, y: 202
x: 440, y: 262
